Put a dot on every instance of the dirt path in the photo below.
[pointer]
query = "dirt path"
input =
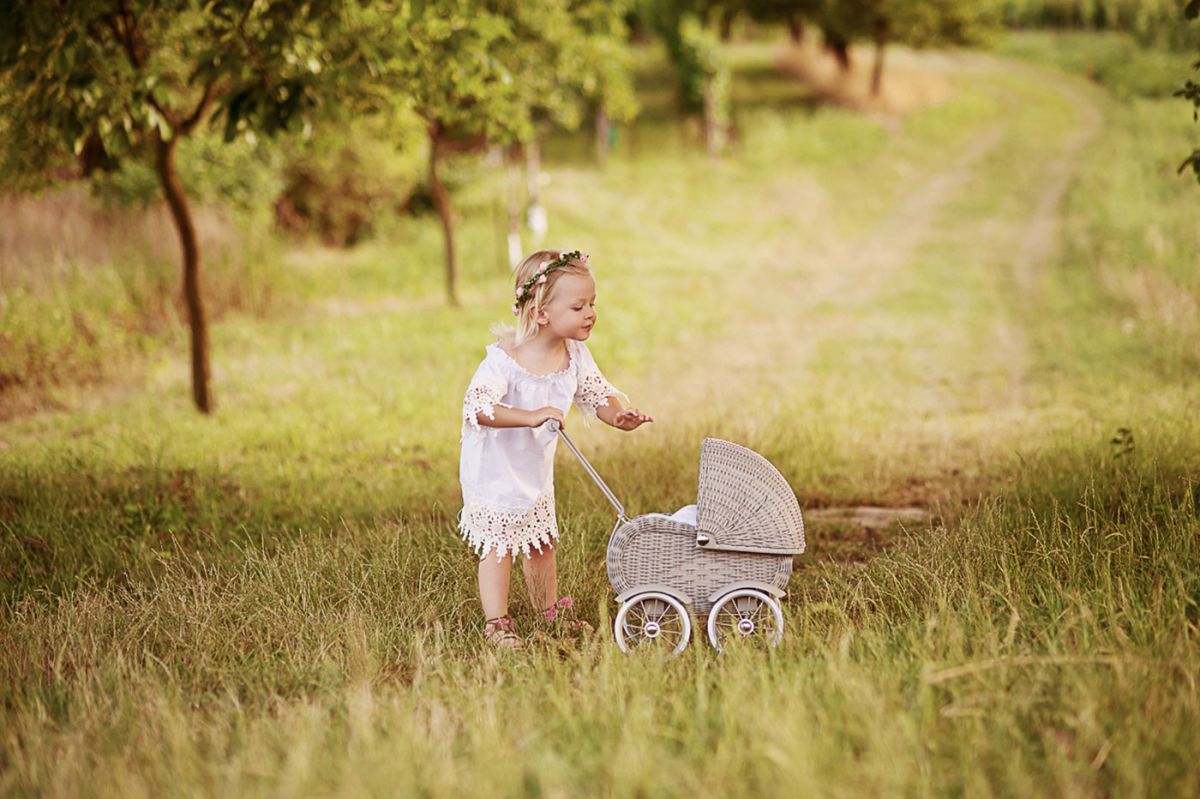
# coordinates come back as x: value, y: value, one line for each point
x: 848, y: 274
x: 1041, y: 234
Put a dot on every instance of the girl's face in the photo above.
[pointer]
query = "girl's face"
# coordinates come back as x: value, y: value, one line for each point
x: 572, y: 311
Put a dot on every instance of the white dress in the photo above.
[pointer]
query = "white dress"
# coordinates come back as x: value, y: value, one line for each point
x: 507, y: 473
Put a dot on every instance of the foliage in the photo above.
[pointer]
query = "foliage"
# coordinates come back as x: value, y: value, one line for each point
x: 97, y: 79
x: 1153, y: 22
x: 1113, y: 59
x: 490, y: 69
x: 703, y: 71
x: 693, y: 53
x: 344, y: 181
x: 602, y: 58
x: 702, y: 74
x: 243, y: 174
x: 919, y: 23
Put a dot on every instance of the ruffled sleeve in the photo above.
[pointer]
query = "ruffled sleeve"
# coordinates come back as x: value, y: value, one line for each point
x: 488, y: 386
x: 593, y: 389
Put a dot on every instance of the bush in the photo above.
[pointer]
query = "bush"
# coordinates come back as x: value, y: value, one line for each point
x: 338, y: 184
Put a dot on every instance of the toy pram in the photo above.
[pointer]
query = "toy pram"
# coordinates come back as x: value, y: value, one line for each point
x: 728, y: 556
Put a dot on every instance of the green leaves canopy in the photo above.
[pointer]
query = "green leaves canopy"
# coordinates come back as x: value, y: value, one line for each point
x: 494, y: 69
x: 96, y: 77
x: 915, y: 22
x: 93, y: 78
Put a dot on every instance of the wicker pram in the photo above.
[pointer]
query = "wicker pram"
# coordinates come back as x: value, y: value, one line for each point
x: 727, y: 558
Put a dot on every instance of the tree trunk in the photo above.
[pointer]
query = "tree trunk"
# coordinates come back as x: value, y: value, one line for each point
x: 441, y: 199
x: 603, y: 131
x: 795, y: 28
x: 881, y: 40
x: 714, y: 127
x: 513, y: 192
x: 726, y: 25
x: 536, y: 214
x: 840, y: 49
x: 177, y: 202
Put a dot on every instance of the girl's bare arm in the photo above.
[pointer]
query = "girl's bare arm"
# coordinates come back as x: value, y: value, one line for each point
x: 517, y: 417
x: 615, y: 414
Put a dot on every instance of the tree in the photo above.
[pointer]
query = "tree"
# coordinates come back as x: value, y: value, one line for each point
x: 703, y: 77
x: 919, y: 23
x: 484, y: 72
x: 456, y: 81
x: 572, y: 60
x: 107, y: 80
x: 602, y: 66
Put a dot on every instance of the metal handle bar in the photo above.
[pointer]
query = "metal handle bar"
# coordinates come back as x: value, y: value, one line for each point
x: 554, y: 426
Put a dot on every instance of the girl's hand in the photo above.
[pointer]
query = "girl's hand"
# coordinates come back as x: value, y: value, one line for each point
x: 542, y: 415
x: 630, y: 419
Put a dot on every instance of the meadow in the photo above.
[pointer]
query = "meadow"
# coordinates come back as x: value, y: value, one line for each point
x: 985, y: 308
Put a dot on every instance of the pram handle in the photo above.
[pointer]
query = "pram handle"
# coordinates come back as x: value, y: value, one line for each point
x: 554, y: 426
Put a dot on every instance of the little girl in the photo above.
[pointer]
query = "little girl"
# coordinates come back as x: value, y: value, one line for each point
x: 530, y: 375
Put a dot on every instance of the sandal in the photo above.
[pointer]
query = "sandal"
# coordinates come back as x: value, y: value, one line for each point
x: 556, y: 616
x: 501, y: 632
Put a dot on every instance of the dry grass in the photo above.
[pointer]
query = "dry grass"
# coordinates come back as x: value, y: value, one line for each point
x: 84, y: 287
x: 48, y: 237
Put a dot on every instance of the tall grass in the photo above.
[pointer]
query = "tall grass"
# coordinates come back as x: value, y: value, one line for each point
x: 1044, y: 644
x: 83, y: 286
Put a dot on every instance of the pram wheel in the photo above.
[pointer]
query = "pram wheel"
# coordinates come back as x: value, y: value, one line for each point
x: 745, y: 615
x: 653, y: 620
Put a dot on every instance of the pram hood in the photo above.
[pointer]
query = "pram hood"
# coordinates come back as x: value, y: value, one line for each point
x: 744, y: 503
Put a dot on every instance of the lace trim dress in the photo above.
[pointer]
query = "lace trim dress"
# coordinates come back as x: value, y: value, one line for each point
x: 507, y: 474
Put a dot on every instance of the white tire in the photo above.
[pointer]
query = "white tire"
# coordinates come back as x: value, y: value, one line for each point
x: 745, y: 614
x: 653, y: 619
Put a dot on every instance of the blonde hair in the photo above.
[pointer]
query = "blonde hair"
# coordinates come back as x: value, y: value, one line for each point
x: 540, y: 294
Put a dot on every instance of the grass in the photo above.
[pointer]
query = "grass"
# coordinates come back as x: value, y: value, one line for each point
x: 273, y: 601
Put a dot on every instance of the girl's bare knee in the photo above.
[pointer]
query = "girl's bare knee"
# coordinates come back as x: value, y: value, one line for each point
x: 538, y: 558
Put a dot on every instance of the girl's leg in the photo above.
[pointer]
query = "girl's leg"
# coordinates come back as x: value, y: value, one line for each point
x: 541, y: 577
x: 493, y: 585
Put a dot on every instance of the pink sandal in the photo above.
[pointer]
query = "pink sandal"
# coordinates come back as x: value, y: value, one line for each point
x: 501, y: 632
x: 555, y: 616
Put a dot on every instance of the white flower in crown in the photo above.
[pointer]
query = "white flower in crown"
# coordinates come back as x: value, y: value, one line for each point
x: 515, y: 310
x: 542, y: 279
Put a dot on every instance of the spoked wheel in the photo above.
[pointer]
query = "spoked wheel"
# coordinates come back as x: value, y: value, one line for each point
x: 653, y: 621
x: 745, y: 615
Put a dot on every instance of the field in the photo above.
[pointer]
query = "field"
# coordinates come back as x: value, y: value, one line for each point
x: 982, y: 311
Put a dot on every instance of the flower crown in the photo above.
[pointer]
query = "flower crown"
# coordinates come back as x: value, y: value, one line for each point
x: 526, y: 289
